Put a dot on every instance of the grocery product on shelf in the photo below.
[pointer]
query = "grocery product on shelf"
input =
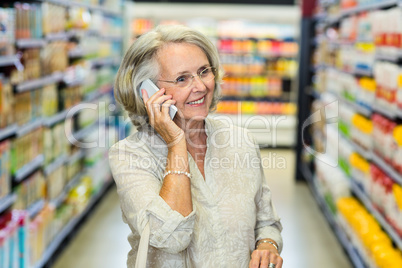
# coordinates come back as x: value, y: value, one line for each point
x: 25, y: 149
x: 5, y: 168
x: 386, y: 75
x: 387, y: 202
x: 383, y: 135
x: 29, y: 191
x: 6, y: 103
x: 28, y: 20
x: 256, y: 108
x: 13, y: 239
x: 332, y: 184
x: 361, y: 131
x: 7, y: 34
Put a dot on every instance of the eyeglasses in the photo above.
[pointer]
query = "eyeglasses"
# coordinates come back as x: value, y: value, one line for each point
x: 185, y: 80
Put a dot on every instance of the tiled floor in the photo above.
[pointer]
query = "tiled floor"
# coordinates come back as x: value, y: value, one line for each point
x: 308, y: 240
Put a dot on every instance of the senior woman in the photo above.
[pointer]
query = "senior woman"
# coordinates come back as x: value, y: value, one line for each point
x: 197, y: 181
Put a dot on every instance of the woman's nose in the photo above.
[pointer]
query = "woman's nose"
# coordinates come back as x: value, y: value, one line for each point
x: 198, y: 84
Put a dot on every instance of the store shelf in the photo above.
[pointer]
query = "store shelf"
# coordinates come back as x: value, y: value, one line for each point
x: 7, y: 201
x: 356, y: 72
x: 362, y: 72
x: 26, y: 170
x: 59, y: 200
x: 8, y: 60
x: 74, y: 82
x: 112, y: 38
x: 90, y: 97
x: 80, y: 53
x: 333, y: 19
x: 57, y: 118
x: 84, y: 5
x: 358, y: 108
x: 392, y: 57
x: 105, y: 61
x: 61, y: 36
x: 367, y: 154
x: 370, y: 6
x: 70, y: 185
x: 267, y: 55
x: 340, y: 234
x: 267, y: 99
x: 370, y: 207
x: 30, y: 43
x: 40, y: 82
x: 8, y: 131
x: 391, y: 114
x: 82, y: 133
x: 76, y: 156
x: 29, y: 127
x: 58, y: 162
x: 387, y: 169
x: 384, y: 111
x: 70, y: 226
x: 35, y: 208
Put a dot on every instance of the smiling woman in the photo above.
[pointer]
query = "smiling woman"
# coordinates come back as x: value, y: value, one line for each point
x: 199, y: 214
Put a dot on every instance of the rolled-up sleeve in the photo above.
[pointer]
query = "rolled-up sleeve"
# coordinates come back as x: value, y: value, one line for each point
x: 268, y: 223
x: 137, y: 174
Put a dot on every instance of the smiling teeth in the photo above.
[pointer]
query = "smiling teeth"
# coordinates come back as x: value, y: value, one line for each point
x: 197, y: 102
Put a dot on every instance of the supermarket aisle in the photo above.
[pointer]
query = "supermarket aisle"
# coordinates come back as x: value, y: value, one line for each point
x: 309, y: 242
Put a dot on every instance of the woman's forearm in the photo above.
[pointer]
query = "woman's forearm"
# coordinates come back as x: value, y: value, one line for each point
x: 176, y: 188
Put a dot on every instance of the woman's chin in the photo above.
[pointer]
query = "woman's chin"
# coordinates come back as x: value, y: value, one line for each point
x: 198, y: 117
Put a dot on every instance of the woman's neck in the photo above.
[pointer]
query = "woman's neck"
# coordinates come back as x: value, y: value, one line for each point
x: 194, y: 132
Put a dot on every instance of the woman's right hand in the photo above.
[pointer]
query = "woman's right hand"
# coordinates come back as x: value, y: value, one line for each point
x: 158, y: 112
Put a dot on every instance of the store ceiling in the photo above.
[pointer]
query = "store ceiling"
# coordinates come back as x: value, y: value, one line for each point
x: 260, y: 2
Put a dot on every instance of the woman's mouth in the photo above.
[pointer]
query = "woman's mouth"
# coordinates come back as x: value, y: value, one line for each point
x: 200, y: 101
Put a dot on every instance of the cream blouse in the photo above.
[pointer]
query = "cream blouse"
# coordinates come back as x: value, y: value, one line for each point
x: 232, y: 207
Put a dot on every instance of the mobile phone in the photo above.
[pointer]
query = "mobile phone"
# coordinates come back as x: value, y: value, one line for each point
x: 151, y: 89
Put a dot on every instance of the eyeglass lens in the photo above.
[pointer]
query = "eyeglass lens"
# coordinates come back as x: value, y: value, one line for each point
x: 205, y: 75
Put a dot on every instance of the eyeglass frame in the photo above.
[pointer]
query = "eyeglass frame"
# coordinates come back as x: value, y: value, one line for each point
x: 213, y: 69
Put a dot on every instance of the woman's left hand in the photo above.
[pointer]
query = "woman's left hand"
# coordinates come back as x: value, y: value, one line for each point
x: 265, y: 256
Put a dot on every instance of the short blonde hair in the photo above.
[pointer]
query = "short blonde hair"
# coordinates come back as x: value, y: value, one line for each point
x: 140, y: 63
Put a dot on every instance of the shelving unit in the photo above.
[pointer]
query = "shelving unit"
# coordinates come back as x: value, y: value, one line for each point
x: 54, y: 168
x: 325, y: 30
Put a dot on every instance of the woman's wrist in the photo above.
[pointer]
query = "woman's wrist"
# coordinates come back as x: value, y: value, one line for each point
x: 176, y: 141
x: 266, y: 243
